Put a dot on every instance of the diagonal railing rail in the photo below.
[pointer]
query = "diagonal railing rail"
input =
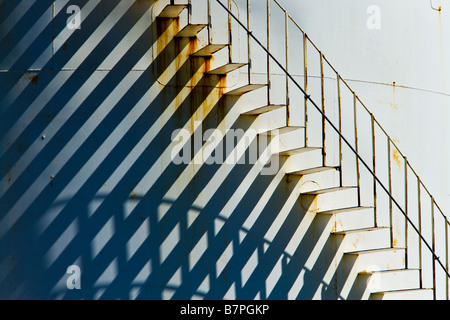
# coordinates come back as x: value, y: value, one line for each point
x: 392, y: 149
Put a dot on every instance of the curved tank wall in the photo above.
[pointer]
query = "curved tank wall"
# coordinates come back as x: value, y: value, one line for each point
x: 92, y: 205
x: 395, y: 55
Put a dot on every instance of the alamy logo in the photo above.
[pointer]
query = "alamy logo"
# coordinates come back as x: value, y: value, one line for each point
x: 74, y: 21
x: 233, y: 147
x: 374, y: 19
x: 74, y: 280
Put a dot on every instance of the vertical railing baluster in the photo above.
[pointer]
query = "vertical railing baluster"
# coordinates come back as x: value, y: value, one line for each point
x: 322, y: 94
x: 406, y: 210
x: 230, y: 35
x: 341, y: 182
x: 268, y: 56
x: 209, y: 21
x: 358, y: 174
x: 286, y: 26
x: 390, y: 191
x: 419, y: 217
x: 305, y: 68
x: 249, y: 43
x: 446, y: 259
x: 372, y: 118
x: 433, y: 245
x: 189, y: 12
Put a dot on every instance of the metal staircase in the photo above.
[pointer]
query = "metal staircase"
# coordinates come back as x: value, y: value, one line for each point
x: 398, y: 233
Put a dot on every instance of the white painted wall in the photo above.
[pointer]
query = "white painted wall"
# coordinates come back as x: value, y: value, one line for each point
x: 411, y: 48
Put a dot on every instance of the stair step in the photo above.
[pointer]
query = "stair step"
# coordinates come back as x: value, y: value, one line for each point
x: 209, y: 50
x: 344, y: 232
x: 380, y: 259
x: 300, y: 150
x: 411, y: 294
x: 223, y: 70
x: 264, y: 109
x: 363, y: 252
x: 245, y: 89
x: 281, y: 130
x: 344, y: 210
x: 311, y: 170
x: 190, y: 31
x: 362, y: 241
x: 322, y: 191
x: 390, y: 280
x: 172, y: 11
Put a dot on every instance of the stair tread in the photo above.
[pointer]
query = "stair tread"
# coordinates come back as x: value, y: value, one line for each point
x: 387, y: 271
x: 359, y: 230
x: 191, y: 30
x: 344, y: 210
x: 312, y: 170
x: 209, y: 50
x: 357, y: 252
x: 229, y: 67
x: 245, y: 89
x: 402, y: 290
x: 281, y: 130
x: 300, y: 150
x: 172, y: 11
x: 263, y: 109
x: 334, y: 189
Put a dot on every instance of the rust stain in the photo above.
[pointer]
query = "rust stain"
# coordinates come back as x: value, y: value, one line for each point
x: 396, y: 156
x: 394, y: 242
x: 34, y: 79
x: 334, y: 229
x: 393, y: 104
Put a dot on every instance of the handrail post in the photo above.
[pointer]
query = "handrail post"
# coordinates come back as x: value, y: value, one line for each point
x: 341, y: 177
x: 305, y: 68
x: 286, y: 26
x: 358, y: 174
x: 189, y: 12
x: 372, y: 118
x: 268, y: 50
x: 405, y: 159
x: 230, y: 35
x: 249, y: 58
x: 433, y: 245
x: 390, y: 191
x: 322, y: 94
x: 446, y: 259
x: 419, y: 218
x: 209, y: 21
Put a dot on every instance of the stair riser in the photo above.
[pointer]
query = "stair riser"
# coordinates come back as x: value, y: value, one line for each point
x: 270, y: 121
x: 353, y: 220
x: 404, y: 295
x: 387, y: 281
x: 323, y: 180
x: 367, y: 240
x: 389, y: 260
x: 329, y: 201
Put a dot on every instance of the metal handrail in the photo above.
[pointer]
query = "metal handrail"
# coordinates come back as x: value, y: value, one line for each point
x: 431, y: 247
